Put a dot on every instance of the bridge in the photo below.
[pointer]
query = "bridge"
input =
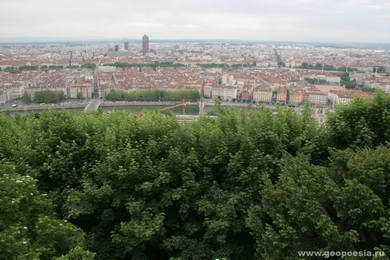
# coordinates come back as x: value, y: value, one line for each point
x: 93, y: 105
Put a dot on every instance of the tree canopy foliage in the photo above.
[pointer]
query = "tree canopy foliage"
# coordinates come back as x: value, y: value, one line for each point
x: 353, y: 84
x: 317, y: 81
x: 245, y: 185
x: 379, y: 69
x: 140, y: 65
x: 88, y: 66
x: 319, y: 66
x: 225, y: 65
x: 28, y: 226
x: 52, y: 67
x: 19, y: 69
x: 45, y: 96
x: 153, y: 95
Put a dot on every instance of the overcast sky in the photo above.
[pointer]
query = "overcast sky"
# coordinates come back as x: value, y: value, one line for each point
x: 263, y: 20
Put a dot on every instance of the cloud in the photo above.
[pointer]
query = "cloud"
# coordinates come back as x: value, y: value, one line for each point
x: 295, y: 20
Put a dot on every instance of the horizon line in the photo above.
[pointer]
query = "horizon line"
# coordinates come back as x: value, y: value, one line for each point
x: 19, y: 40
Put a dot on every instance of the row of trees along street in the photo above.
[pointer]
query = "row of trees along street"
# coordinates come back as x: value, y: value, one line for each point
x: 153, y: 95
x: 44, y: 96
x: 20, y: 69
x: 52, y: 96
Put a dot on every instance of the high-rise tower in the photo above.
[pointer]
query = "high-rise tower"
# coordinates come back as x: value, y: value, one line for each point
x: 126, y: 46
x: 145, y: 44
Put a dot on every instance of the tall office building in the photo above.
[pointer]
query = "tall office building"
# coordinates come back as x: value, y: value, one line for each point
x: 116, y: 48
x: 145, y: 44
x: 126, y: 45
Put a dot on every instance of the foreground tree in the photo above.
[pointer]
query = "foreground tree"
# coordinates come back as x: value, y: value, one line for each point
x: 361, y: 124
x: 28, y: 226
x: 245, y: 185
x: 343, y: 207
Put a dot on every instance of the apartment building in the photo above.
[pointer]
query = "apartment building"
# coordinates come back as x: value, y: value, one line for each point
x: 281, y: 95
x: 80, y: 90
x: 317, y: 98
x: 3, y: 96
x: 296, y: 97
x: 262, y: 94
x: 344, y: 97
x: 224, y: 92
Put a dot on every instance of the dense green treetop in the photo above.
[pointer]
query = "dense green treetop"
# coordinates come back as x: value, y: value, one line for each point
x: 361, y: 124
x: 48, y: 96
x: 245, y: 185
x: 28, y: 226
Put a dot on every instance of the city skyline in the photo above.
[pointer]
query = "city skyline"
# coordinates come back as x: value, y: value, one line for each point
x: 365, y: 21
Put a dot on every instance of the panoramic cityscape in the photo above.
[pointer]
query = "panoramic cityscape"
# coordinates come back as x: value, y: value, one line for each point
x: 250, y: 73
x: 194, y: 130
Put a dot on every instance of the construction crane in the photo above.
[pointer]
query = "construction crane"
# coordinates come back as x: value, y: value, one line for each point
x: 184, y: 104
